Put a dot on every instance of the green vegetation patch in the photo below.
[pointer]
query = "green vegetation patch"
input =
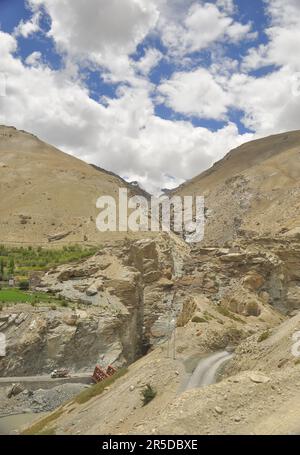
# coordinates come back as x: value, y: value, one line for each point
x: 198, y: 319
x: 228, y: 314
x: 22, y: 261
x: 12, y: 296
x: 148, y: 394
x: 97, y: 389
x: 264, y: 336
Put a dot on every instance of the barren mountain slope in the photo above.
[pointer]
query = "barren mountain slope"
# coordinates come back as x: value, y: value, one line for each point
x: 256, y: 398
x: 254, y: 190
x: 45, y: 193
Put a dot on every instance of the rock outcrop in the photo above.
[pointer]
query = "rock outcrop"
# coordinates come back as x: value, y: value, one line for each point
x: 121, y: 307
x: 253, y: 191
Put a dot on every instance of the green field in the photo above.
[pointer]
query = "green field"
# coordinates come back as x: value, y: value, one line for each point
x: 12, y: 296
x: 26, y: 260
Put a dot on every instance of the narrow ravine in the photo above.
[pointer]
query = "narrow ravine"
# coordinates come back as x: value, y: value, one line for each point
x: 206, y: 371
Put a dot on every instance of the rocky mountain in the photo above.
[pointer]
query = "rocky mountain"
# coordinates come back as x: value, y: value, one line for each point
x: 49, y: 196
x: 254, y: 190
x: 159, y: 305
x: 117, y: 311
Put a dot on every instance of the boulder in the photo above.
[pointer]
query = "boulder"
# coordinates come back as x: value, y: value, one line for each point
x: 259, y: 378
x: 152, y: 276
x: 242, y: 302
x: 165, y: 283
x: 91, y: 291
x: 233, y: 257
x: 253, y: 281
x: 15, y: 390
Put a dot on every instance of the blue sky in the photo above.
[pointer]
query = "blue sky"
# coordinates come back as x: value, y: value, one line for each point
x: 154, y: 90
x: 13, y: 11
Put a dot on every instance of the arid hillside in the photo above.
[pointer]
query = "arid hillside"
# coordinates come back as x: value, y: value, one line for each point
x: 254, y: 190
x: 47, y: 195
x: 157, y: 308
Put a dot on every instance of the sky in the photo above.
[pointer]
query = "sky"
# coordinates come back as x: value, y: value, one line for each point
x: 153, y: 90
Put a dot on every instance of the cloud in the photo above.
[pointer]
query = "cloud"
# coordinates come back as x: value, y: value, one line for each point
x: 149, y: 61
x: 8, y: 45
x: 107, y: 33
x: 283, y: 12
x: 195, y: 93
x: 201, y: 26
x: 271, y: 102
x: 123, y: 134
x: 283, y: 37
x: 34, y: 59
x: 226, y: 5
x: 25, y: 29
x: 100, y: 31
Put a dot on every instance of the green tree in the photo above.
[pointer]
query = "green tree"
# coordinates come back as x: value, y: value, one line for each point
x: 1, y: 268
x: 11, y: 266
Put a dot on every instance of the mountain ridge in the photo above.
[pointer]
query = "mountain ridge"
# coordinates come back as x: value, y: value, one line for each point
x: 253, y: 190
x: 48, y: 195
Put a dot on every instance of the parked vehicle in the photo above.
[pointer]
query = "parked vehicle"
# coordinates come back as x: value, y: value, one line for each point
x: 60, y: 373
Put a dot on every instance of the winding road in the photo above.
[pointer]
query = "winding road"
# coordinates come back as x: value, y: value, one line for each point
x: 45, y: 381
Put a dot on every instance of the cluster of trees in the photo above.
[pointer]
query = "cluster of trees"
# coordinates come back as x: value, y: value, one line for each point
x: 29, y: 259
x: 7, y: 268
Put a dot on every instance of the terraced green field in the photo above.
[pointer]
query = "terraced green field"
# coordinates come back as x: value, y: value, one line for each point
x: 26, y: 260
x: 13, y: 296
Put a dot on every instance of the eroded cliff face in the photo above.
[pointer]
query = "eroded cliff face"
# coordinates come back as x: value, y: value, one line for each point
x: 120, y: 309
x: 42, y: 339
x: 248, y: 275
x: 129, y: 297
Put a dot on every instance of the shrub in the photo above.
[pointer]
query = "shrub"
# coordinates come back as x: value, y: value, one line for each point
x: 198, y: 319
x: 148, y: 394
x: 228, y: 314
x: 263, y: 336
x: 24, y: 285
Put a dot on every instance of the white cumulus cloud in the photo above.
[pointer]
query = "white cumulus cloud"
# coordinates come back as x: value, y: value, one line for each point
x: 195, y: 93
x: 123, y: 133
